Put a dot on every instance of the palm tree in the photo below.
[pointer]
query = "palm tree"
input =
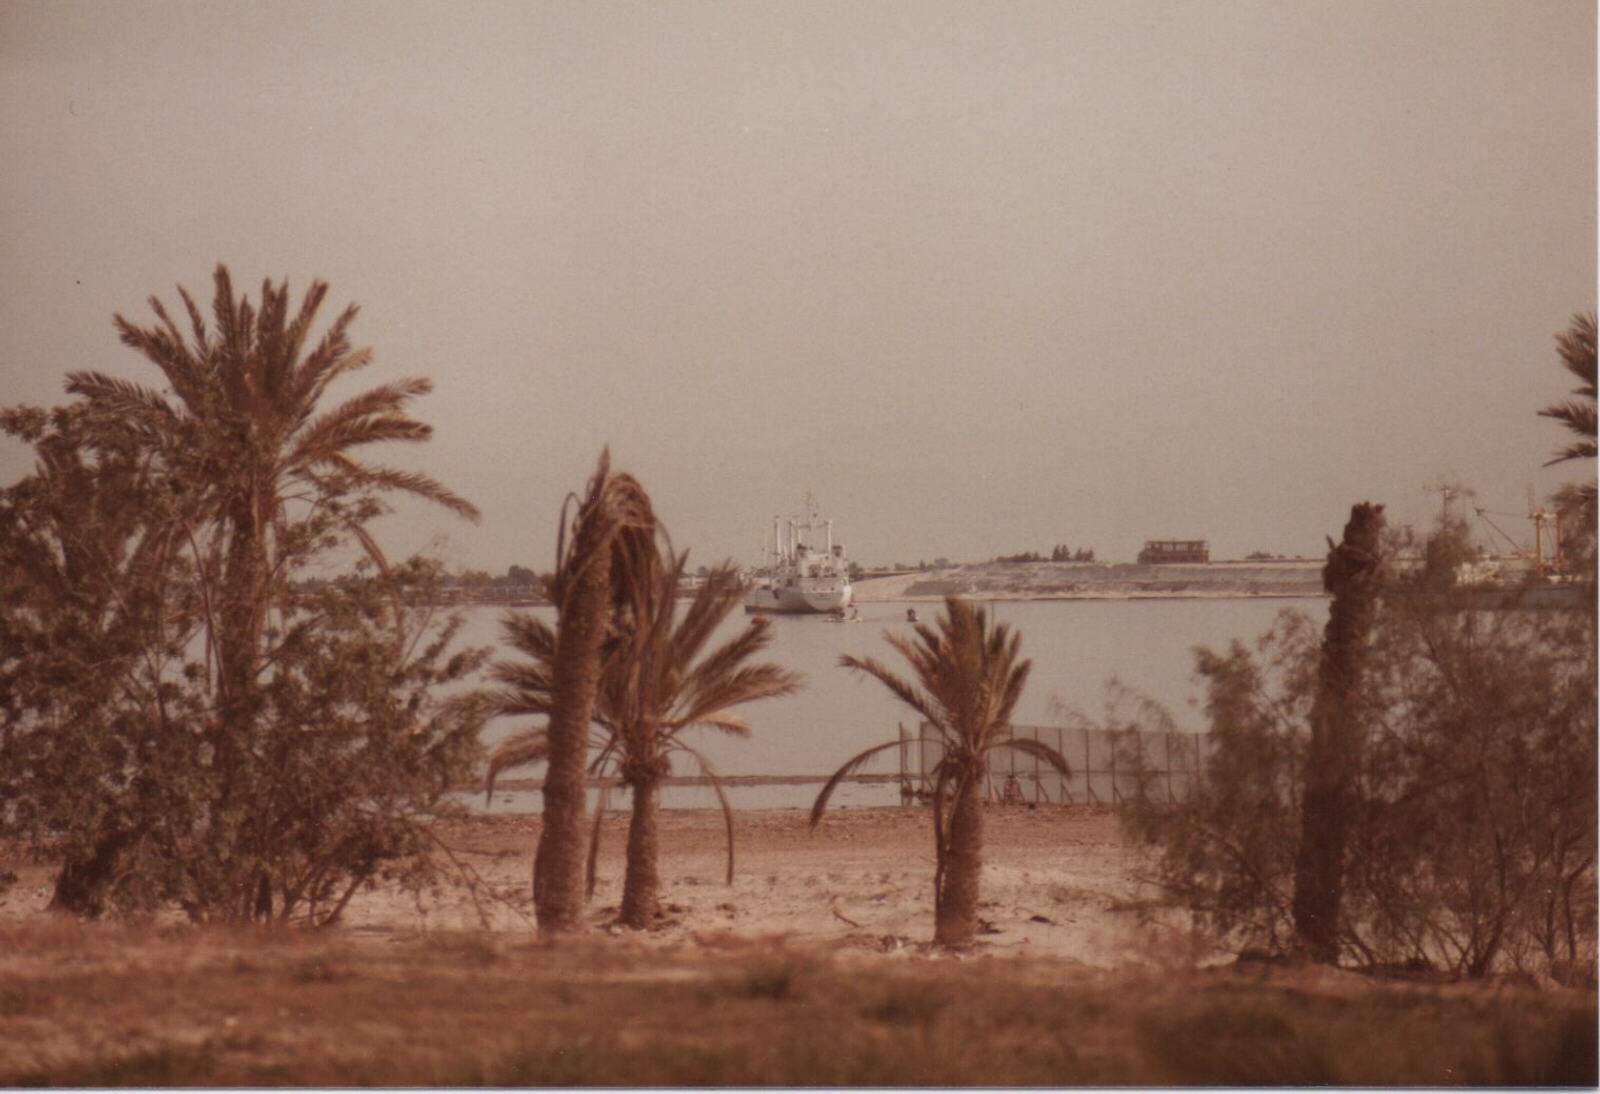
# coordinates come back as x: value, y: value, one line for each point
x: 654, y: 686
x: 967, y: 680
x: 261, y: 474
x: 242, y: 431
x: 612, y: 552
x: 1354, y: 575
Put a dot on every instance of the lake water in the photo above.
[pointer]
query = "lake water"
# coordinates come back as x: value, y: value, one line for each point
x: 1077, y: 647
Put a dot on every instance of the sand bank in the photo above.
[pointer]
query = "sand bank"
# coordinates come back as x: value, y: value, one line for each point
x: 1093, y: 581
x: 1058, y: 881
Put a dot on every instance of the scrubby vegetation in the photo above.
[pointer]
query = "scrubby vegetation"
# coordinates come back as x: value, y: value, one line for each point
x: 181, y: 723
x: 129, y: 1007
x: 1471, y: 814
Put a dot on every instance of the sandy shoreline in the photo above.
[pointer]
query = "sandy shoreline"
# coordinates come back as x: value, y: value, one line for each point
x: 1077, y: 581
x: 1058, y: 881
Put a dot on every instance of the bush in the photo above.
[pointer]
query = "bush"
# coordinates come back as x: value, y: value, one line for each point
x: 1473, y: 839
x: 183, y: 718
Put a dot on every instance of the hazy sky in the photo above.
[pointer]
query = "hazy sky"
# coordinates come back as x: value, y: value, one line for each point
x: 985, y: 277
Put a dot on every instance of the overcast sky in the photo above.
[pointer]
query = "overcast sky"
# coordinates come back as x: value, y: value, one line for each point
x: 985, y: 277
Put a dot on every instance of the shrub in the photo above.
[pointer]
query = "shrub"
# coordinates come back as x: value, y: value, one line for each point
x: 1473, y: 839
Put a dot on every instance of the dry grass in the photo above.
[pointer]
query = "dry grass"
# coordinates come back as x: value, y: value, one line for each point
x: 89, y: 1006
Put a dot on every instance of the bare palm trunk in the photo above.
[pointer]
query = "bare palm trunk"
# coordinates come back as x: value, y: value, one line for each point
x: 1333, y: 759
x: 955, y: 913
x: 641, y: 883
x: 238, y: 644
x: 581, y: 631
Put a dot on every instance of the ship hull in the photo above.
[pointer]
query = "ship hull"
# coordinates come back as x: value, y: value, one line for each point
x: 798, y: 600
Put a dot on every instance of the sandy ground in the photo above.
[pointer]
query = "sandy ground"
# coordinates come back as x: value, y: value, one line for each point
x: 1058, y: 881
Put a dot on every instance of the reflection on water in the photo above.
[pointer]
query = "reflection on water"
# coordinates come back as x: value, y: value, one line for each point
x: 1077, y: 646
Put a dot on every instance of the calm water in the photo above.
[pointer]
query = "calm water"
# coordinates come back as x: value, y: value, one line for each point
x: 1077, y: 647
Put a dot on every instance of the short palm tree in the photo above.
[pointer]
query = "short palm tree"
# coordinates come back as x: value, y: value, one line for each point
x: 654, y: 687
x: 967, y: 678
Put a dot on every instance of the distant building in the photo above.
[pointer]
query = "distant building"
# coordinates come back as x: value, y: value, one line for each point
x: 1174, y: 550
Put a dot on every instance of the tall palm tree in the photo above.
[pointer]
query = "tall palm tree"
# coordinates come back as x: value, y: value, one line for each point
x: 611, y: 553
x: 263, y: 474
x: 967, y: 679
x: 654, y: 686
x: 1354, y: 575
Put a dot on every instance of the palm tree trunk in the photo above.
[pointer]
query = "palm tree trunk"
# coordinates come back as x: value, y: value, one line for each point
x: 580, y: 634
x: 955, y: 912
x: 641, y: 883
x: 1333, y: 758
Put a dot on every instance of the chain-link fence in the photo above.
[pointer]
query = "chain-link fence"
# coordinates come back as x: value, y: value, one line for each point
x: 1106, y: 766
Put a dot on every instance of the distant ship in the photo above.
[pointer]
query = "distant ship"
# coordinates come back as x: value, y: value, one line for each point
x: 796, y: 577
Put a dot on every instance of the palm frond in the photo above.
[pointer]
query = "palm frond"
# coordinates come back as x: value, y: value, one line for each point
x: 385, y: 400
x: 751, y: 639
x: 1576, y: 347
x: 1579, y: 450
x: 820, y: 806
x: 294, y: 335
x: 523, y: 696
x: 707, y: 697
x: 1030, y: 747
x: 528, y: 634
x: 722, y: 800
x: 112, y: 395
x: 731, y: 724
x: 710, y: 605
x: 907, y: 693
x: 335, y: 441
x: 197, y: 322
x: 413, y: 483
x: 530, y: 746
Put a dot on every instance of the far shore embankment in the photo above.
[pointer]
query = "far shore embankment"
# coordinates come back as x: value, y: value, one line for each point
x: 1099, y: 581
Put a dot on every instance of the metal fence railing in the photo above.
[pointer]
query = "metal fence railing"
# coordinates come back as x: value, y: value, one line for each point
x: 1107, y: 766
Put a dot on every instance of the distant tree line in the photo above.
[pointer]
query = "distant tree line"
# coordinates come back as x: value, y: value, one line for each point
x: 1059, y: 553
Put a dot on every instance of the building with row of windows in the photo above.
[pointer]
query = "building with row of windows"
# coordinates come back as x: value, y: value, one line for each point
x: 1157, y: 551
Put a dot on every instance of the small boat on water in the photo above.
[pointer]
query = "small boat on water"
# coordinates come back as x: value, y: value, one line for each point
x: 798, y: 578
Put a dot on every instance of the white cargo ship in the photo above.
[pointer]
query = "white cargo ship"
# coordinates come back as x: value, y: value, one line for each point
x: 798, y: 575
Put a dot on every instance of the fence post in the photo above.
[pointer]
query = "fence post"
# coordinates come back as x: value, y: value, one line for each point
x: 1166, y: 744
x: 1061, y: 780
x: 1116, y: 794
x: 1088, y: 772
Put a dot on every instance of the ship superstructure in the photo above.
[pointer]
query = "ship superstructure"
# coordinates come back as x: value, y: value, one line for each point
x: 801, y: 574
